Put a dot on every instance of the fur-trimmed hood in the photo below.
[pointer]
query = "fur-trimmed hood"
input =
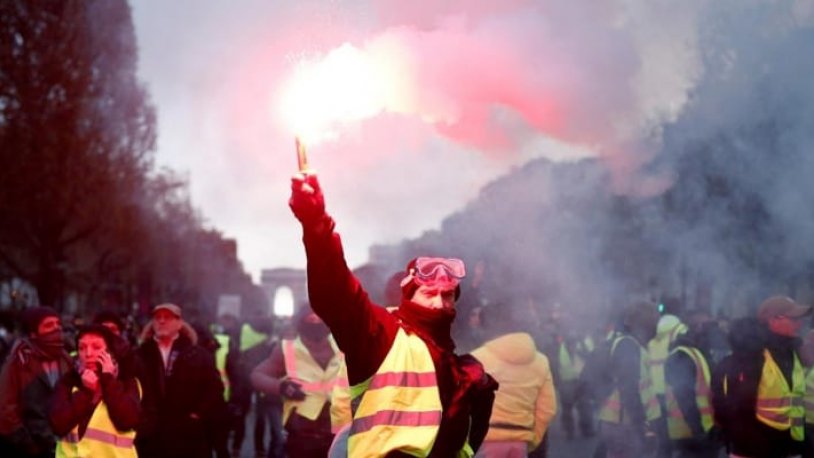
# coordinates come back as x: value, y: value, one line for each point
x: 186, y: 330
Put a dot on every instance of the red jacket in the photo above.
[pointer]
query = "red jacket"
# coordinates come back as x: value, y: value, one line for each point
x: 365, y: 332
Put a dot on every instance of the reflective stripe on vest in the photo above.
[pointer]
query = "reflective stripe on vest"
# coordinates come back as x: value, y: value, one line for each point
x: 316, y: 382
x: 399, y: 407
x: 101, y: 438
x: 220, y: 362
x: 779, y: 406
x: 611, y: 410
x: 657, y: 351
x: 677, y: 427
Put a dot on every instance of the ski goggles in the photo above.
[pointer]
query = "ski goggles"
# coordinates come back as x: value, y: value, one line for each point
x: 438, y: 271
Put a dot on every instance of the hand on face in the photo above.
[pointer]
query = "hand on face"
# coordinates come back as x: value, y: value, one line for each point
x: 90, y: 380
x: 107, y: 363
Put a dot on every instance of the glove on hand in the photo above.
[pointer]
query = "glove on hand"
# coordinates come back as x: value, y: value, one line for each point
x: 307, y: 202
x: 291, y: 390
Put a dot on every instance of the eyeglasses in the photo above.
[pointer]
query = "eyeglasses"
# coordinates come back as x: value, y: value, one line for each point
x: 432, y: 271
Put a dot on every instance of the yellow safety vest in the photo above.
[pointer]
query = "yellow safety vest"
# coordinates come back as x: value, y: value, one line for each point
x: 657, y: 350
x: 316, y: 382
x: 611, y: 410
x: 779, y: 406
x: 340, y: 401
x: 250, y: 338
x: 101, y: 439
x: 677, y: 427
x: 808, y: 399
x: 220, y: 362
x: 399, y: 407
x: 571, y: 365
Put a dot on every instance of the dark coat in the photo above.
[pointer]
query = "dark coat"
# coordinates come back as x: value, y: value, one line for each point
x: 25, y: 396
x: 734, y: 407
x: 183, y: 406
x: 70, y: 407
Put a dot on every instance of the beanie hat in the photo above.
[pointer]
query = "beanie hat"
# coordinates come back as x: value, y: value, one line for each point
x: 32, y: 317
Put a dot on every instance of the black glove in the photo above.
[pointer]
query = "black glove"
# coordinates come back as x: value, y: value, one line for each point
x: 291, y: 390
x: 307, y: 202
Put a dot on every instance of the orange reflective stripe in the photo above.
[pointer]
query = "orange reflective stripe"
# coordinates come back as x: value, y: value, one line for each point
x: 405, y: 379
x: 775, y: 417
x: 316, y: 386
x: 774, y: 403
x: 108, y: 438
x: 395, y: 418
x: 290, y: 358
x: 613, y: 404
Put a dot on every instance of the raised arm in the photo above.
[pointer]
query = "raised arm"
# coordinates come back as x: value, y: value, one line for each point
x: 363, y: 330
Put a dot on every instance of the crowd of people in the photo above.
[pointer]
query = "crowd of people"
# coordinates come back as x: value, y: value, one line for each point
x: 346, y: 377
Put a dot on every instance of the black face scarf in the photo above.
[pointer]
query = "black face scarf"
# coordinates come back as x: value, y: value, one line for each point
x: 51, y: 344
x: 435, y: 324
x: 313, y: 331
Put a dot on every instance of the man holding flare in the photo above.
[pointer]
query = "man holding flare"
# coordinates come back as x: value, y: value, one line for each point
x: 411, y: 394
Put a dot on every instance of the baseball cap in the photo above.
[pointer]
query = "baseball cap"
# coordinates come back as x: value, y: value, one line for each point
x: 172, y: 308
x: 781, y: 305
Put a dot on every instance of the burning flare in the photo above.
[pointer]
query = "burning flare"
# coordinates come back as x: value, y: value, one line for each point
x: 347, y: 85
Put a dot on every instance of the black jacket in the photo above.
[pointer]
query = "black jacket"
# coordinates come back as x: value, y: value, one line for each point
x: 183, y: 408
x: 70, y: 408
x: 25, y: 397
x: 734, y: 407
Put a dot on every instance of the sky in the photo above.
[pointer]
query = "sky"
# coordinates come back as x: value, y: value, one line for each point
x: 451, y: 96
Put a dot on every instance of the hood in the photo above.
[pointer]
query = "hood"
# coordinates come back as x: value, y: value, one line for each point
x: 667, y: 323
x: 747, y: 335
x: 186, y: 330
x: 515, y: 348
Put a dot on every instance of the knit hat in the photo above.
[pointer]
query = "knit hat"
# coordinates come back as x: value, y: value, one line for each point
x: 32, y: 317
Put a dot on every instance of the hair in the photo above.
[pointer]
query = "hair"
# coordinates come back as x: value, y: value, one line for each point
x: 101, y: 331
x: 107, y: 316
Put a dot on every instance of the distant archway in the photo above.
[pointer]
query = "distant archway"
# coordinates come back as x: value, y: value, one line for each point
x: 286, y: 285
x: 283, y: 303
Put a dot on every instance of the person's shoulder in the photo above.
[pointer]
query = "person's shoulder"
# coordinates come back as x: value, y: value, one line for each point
x: 627, y: 343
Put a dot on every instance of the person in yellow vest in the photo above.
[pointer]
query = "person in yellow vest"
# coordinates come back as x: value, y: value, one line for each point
x: 688, y: 396
x: 96, y: 407
x: 526, y: 402
x: 758, y: 390
x: 668, y: 330
x: 572, y: 353
x: 628, y: 413
x: 412, y: 394
x: 304, y: 371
